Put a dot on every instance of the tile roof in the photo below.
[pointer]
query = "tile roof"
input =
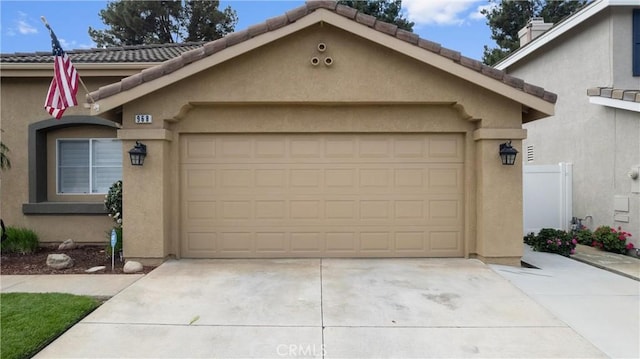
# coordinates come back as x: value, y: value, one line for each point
x: 616, y: 94
x: 137, y: 53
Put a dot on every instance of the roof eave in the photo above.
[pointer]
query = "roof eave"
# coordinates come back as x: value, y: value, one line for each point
x: 615, y: 103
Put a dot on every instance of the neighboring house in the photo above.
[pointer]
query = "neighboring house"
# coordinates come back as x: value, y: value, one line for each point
x: 318, y: 133
x: 592, y: 61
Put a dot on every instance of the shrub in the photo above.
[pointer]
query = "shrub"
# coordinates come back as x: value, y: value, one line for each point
x: 20, y: 240
x: 113, y: 203
x: 552, y: 241
x: 584, y: 236
x: 530, y: 238
x: 611, y: 240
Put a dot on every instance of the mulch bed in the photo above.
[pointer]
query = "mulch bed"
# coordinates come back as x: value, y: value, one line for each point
x: 84, y: 257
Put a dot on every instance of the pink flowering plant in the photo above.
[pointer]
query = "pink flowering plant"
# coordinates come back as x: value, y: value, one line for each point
x: 552, y: 241
x: 612, y: 240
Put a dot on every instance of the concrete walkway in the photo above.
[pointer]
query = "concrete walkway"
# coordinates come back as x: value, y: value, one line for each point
x: 602, y: 306
x: 616, y: 263
x: 95, y: 285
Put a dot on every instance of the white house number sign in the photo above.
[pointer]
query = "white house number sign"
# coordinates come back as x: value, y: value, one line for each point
x: 144, y: 118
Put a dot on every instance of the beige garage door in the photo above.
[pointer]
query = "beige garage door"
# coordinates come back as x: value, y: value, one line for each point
x: 322, y: 195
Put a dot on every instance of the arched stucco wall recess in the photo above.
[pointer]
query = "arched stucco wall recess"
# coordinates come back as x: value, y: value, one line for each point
x: 37, y: 145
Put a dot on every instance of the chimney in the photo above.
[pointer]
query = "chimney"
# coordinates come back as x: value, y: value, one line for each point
x: 534, y: 28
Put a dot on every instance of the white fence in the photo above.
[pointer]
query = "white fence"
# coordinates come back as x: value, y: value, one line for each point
x: 547, y: 197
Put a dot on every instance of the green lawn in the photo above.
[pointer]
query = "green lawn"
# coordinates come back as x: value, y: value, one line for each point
x: 30, y: 321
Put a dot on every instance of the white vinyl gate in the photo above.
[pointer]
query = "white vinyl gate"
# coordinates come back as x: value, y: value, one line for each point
x: 547, y: 197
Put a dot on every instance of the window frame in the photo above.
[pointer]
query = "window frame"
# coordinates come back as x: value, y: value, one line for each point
x: 38, y: 203
x: 635, y: 42
x: 90, y: 167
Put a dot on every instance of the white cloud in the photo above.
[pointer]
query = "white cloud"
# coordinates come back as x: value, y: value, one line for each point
x: 73, y: 45
x: 25, y: 28
x: 438, y: 12
x: 22, y: 25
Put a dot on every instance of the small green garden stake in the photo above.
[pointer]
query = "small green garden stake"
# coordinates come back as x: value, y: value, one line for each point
x: 114, y: 239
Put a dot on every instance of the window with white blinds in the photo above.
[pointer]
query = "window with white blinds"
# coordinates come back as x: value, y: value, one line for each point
x: 88, y: 166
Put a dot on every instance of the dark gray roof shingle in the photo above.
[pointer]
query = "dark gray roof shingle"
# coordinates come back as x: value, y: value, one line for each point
x: 137, y: 53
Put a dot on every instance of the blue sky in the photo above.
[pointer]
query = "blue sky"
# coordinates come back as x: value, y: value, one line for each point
x: 455, y: 24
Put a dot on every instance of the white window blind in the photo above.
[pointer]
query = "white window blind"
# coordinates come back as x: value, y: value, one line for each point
x: 88, y: 165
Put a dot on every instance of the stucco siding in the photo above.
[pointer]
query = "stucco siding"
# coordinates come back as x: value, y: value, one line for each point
x: 602, y: 143
x: 621, y: 39
x: 22, y: 102
x: 362, y: 72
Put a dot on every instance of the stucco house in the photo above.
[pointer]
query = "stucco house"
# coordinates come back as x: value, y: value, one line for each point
x: 592, y: 61
x: 318, y: 133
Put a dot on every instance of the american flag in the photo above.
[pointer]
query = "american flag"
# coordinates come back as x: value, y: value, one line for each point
x: 64, y: 86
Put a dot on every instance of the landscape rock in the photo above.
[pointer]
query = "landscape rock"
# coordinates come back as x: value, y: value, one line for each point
x: 95, y: 269
x: 132, y: 267
x: 59, y: 261
x: 67, y: 244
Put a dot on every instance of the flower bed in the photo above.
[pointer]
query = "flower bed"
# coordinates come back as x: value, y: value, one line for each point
x: 564, y: 243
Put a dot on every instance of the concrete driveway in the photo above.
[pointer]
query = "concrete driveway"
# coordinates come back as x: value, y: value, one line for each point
x: 332, y: 308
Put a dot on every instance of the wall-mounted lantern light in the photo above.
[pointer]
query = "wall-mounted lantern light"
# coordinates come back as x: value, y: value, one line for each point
x: 508, y: 154
x: 138, y: 153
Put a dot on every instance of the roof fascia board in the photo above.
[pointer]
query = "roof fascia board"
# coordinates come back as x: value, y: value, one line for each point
x: 323, y: 15
x: 619, y: 104
x: 563, y: 27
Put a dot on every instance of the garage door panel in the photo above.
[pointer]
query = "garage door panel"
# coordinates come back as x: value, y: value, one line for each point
x: 336, y: 210
x: 322, y: 148
x: 309, y: 242
x: 405, y: 179
x: 271, y: 242
x: 444, y: 179
x: 445, y: 241
x: 316, y: 242
x: 337, y: 195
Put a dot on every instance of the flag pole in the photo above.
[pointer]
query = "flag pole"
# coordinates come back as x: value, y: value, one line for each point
x: 46, y: 24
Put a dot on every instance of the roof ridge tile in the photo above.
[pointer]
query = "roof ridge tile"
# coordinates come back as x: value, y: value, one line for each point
x: 365, y: 19
x: 297, y: 13
x: 346, y: 11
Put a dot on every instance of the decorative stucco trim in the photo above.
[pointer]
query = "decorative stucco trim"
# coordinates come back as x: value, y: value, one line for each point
x: 145, y: 134
x: 64, y: 208
x: 37, y: 146
x: 499, y: 134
